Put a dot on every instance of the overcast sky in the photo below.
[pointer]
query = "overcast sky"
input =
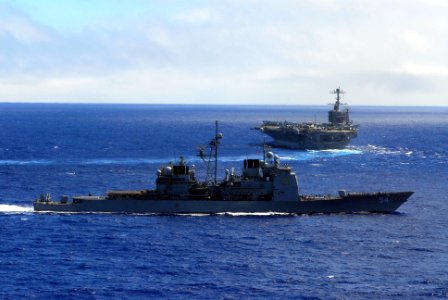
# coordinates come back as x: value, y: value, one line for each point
x: 392, y: 52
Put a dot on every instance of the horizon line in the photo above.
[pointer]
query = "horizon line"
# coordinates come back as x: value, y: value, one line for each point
x: 208, y: 104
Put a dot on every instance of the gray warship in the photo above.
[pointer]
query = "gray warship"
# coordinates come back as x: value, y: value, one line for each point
x: 336, y: 134
x: 264, y: 185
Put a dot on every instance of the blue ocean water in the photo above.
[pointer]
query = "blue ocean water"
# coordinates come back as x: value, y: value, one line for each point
x: 79, y: 149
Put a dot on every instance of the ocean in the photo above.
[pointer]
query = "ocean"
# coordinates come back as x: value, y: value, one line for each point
x: 77, y: 149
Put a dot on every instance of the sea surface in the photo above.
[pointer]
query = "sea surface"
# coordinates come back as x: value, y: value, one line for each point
x: 76, y: 149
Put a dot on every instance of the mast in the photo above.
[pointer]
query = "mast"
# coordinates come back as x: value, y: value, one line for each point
x: 338, y: 93
x: 264, y: 150
x: 216, y: 150
x: 213, y: 155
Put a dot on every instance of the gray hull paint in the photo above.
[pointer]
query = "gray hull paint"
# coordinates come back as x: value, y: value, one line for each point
x: 306, y: 141
x: 377, y: 202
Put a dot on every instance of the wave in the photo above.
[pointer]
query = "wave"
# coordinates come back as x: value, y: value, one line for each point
x: 232, y: 214
x: 9, y: 208
x: 285, y: 155
x: 9, y: 162
x: 313, y: 154
x: 236, y: 214
x: 382, y: 150
x: 379, y: 150
x: 96, y: 161
x: 259, y: 214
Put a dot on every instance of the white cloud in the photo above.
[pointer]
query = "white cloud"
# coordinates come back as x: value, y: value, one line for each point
x: 22, y: 31
x: 255, y: 51
x: 417, y: 41
x: 423, y: 70
x: 17, y: 27
x: 197, y: 15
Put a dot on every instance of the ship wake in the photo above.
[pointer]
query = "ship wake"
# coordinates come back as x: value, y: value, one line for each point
x: 286, y: 155
x: 14, y: 209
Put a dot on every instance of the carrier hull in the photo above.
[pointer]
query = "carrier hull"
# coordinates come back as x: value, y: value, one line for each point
x: 306, y: 140
x: 351, y: 203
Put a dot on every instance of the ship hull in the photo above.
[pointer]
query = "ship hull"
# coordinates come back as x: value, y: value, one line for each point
x: 318, y: 140
x: 373, y: 202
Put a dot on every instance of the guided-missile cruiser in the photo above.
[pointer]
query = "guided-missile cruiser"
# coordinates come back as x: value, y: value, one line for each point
x: 263, y: 185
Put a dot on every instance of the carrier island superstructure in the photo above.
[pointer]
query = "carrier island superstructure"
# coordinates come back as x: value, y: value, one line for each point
x: 264, y: 185
x: 336, y: 134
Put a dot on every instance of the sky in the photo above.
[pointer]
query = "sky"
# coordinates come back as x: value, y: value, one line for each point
x: 268, y: 52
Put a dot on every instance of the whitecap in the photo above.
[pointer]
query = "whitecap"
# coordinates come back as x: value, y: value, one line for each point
x: 193, y: 215
x: 11, y: 162
x: 386, y: 151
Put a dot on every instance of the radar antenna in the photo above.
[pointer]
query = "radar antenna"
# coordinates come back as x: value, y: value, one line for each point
x: 338, y: 93
x: 266, y: 148
x: 214, y: 145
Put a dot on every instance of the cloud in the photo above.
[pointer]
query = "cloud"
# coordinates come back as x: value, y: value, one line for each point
x: 254, y: 51
x: 197, y: 15
x: 16, y: 27
x: 21, y: 31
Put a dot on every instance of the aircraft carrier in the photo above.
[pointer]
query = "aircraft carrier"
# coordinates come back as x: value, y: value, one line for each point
x: 336, y: 134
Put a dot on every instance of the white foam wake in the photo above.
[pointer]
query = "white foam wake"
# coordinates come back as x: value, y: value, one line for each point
x: 286, y: 155
x: 259, y: 214
x: 9, y: 208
